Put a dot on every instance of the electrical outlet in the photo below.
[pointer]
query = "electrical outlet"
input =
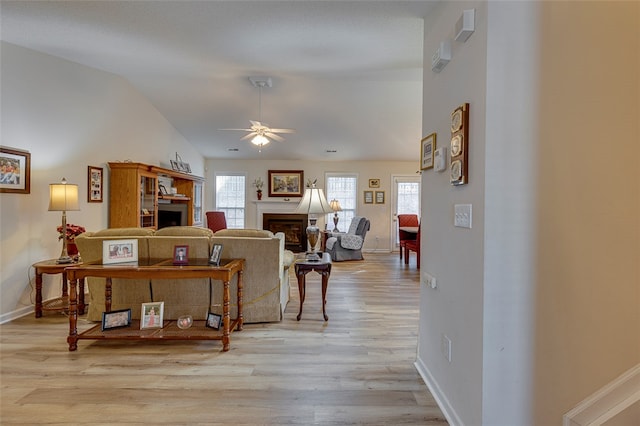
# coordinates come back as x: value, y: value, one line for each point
x: 445, y: 346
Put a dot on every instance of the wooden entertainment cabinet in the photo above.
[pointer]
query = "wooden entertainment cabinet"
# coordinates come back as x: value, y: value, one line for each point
x: 134, y: 195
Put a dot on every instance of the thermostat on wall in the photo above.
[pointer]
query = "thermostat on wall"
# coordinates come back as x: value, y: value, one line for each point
x: 440, y: 159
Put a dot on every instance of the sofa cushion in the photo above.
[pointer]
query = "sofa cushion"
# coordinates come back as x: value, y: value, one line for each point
x: 184, y: 231
x: 246, y: 233
x: 122, y: 232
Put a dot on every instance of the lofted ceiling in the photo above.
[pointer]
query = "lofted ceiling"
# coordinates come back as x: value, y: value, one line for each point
x: 347, y: 75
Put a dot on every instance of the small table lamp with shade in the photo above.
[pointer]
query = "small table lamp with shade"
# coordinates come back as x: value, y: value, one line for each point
x: 313, y: 203
x: 335, y: 206
x: 62, y: 197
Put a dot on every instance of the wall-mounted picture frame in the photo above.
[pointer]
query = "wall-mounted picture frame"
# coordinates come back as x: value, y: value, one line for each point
x: 181, y: 255
x: 379, y: 197
x: 152, y: 315
x: 427, y: 148
x: 116, y: 319
x: 216, y: 252
x: 15, y: 171
x: 286, y: 183
x: 94, y: 184
x: 213, y: 321
x: 374, y: 183
x: 368, y: 197
x: 119, y: 251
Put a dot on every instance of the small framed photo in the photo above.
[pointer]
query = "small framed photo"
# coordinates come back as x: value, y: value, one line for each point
x: 95, y: 185
x: 216, y: 252
x: 116, y: 319
x: 213, y: 321
x: 374, y: 183
x: 180, y: 255
x: 379, y: 197
x: 427, y: 149
x: 174, y: 165
x: 152, y: 315
x: 15, y: 171
x: 163, y: 190
x: 368, y: 197
x: 119, y: 251
x: 286, y: 183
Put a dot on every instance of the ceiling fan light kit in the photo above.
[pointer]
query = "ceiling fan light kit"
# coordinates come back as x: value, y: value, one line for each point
x: 260, y: 133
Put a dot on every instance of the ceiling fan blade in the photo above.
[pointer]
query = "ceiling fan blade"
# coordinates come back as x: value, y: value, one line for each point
x: 274, y: 136
x: 249, y: 136
x: 243, y: 130
x: 282, y: 130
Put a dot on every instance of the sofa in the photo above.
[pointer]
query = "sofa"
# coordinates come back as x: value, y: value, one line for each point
x: 266, y: 272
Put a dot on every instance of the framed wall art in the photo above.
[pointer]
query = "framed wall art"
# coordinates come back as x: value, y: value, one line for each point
x: 379, y: 197
x: 374, y: 183
x: 286, y: 183
x: 368, y: 197
x: 94, y: 184
x: 460, y: 145
x: 15, y: 171
x: 427, y: 147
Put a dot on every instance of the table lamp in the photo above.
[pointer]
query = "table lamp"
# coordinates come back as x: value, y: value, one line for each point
x: 313, y: 203
x: 63, y: 197
x: 335, y: 206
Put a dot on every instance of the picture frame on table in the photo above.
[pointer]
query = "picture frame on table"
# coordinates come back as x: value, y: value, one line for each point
x: 116, y: 319
x: 94, y: 184
x: 119, y: 251
x: 162, y: 190
x: 379, y: 197
x: 15, y: 171
x: 213, y: 321
x: 368, y: 197
x: 152, y: 315
x: 181, y: 255
x: 427, y: 149
x: 216, y: 252
x: 286, y: 183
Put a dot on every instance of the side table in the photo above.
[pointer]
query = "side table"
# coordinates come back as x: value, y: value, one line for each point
x: 51, y: 267
x: 302, y: 268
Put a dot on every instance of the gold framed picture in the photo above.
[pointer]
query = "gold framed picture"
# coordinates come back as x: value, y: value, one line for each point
x: 427, y: 147
x: 286, y: 183
x: 368, y: 197
x: 379, y: 197
x: 374, y: 183
x: 152, y: 315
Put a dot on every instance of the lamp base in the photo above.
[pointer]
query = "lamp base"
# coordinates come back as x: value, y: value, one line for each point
x: 312, y: 256
x: 63, y: 260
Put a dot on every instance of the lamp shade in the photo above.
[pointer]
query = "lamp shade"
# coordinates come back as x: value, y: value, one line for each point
x: 63, y: 197
x: 314, y: 202
x: 335, y: 205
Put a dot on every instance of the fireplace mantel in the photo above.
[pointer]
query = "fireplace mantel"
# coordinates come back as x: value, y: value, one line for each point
x: 273, y: 207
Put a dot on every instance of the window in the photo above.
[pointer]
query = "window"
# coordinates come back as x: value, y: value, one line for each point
x: 230, y: 198
x: 344, y: 188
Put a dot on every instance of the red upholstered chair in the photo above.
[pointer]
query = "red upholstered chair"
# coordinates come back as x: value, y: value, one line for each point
x: 216, y: 221
x: 412, y: 245
x: 406, y: 220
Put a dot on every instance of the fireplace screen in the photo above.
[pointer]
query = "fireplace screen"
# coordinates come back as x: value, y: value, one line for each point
x: 293, y: 227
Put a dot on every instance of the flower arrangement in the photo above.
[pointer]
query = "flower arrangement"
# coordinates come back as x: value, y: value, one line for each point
x: 72, y: 231
x: 258, y: 184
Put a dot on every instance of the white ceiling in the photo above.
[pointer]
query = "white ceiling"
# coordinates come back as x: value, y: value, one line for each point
x: 347, y: 75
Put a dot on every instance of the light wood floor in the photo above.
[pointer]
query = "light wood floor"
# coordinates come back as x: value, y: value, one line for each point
x: 357, y: 368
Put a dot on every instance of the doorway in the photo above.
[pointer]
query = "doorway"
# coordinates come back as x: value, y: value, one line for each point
x: 405, y: 200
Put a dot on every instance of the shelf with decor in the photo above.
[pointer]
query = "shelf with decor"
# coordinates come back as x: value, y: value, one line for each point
x: 135, y: 195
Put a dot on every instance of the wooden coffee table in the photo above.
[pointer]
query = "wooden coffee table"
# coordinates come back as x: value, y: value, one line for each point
x: 302, y: 268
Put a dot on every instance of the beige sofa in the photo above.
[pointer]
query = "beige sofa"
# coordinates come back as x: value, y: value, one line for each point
x: 266, y: 272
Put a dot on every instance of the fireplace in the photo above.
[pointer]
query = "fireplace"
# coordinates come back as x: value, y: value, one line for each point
x: 172, y: 215
x: 293, y: 227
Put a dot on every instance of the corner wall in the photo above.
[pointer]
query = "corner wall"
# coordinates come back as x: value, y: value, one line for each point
x: 68, y: 117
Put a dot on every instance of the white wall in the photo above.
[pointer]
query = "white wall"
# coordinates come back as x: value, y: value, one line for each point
x: 541, y: 297
x: 380, y: 215
x: 68, y: 117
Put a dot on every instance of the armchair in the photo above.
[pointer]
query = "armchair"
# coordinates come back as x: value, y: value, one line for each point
x: 348, y: 245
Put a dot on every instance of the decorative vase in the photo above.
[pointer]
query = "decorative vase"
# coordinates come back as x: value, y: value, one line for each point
x: 259, y: 195
x: 72, y: 248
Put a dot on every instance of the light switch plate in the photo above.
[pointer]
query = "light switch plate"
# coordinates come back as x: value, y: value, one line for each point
x: 462, y: 215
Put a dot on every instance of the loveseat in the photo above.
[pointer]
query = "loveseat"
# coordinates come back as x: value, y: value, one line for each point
x: 266, y: 272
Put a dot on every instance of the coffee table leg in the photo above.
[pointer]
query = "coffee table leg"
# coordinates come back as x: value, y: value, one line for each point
x: 240, y: 300
x: 302, y: 290
x: 81, y: 304
x: 226, y: 319
x: 38, y: 294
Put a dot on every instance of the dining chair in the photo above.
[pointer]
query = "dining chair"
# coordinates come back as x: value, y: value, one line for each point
x: 216, y: 221
x: 406, y: 220
x: 412, y: 245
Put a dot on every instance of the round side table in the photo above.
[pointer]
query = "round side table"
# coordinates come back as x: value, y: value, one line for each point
x: 51, y: 267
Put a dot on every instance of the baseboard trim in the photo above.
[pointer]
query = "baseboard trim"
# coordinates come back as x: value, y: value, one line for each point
x: 441, y: 399
x: 18, y: 313
x: 607, y: 402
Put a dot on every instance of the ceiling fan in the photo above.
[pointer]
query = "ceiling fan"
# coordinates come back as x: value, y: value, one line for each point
x: 260, y: 132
